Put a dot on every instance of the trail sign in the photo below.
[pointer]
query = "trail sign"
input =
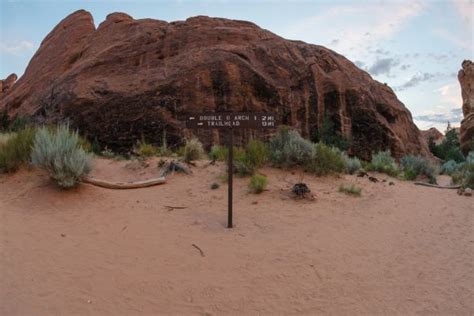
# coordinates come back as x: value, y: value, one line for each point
x: 226, y: 120
x: 230, y: 121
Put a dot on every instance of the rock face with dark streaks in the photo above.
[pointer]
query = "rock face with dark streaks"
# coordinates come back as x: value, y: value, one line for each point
x: 466, y: 79
x: 130, y: 79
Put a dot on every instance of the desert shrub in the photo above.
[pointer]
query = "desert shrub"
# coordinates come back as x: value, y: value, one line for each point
x: 85, y: 144
x: 352, y: 164
x: 4, y: 121
x: 450, y: 167
x: 243, y: 164
x: 146, y: 150
x: 258, y: 183
x: 414, y: 166
x: 60, y: 153
x: 350, y: 189
x: 20, y: 123
x: 449, y: 149
x: 16, y: 150
x: 326, y: 160
x: 218, y: 153
x: 4, y: 137
x: 95, y: 147
x: 383, y: 162
x: 329, y: 135
x: 288, y: 148
x: 257, y: 152
x: 193, y: 150
x: 465, y: 173
x: 409, y: 175
x: 470, y: 157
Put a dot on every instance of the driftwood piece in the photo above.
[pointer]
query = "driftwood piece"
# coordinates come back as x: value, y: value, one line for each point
x: 200, y: 250
x: 124, y: 185
x: 454, y: 187
x: 171, y: 208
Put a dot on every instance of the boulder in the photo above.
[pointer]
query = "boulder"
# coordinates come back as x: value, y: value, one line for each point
x: 466, y: 80
x: 7, y: 84
x: 432, y: 134
x: 131, y: 79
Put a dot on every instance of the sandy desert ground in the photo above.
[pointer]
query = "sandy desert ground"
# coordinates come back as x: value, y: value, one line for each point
x: 397, y: 250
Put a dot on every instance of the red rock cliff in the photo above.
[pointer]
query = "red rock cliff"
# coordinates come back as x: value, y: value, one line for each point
x: 132, y: 78
x: 466, y: 79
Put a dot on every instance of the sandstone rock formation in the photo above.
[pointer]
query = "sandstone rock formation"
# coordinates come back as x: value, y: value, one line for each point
x: 466, y: 79
x: 432, y: 134
x: 130, y: 78
x: 7, y: 84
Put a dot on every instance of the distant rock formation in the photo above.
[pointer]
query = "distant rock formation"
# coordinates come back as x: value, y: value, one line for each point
x: 432, y: 134
x: 7, y: 84
x: 130, y: 79
x: 466, y: 79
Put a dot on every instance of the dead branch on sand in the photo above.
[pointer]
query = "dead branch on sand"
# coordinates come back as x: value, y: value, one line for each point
x: 438, y: 186
x: 124, y: 185
x: 171, y: 208
x: 200, y: 250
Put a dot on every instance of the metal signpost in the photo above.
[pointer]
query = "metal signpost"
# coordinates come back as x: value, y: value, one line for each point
x: 230, y: 121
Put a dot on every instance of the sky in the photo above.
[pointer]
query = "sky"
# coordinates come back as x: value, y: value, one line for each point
x: 416, y: 47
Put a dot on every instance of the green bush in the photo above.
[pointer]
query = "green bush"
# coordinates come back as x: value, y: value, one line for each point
x: 257, y: 152
x: 193, y: 150
x: 146, y: 150
x: 384, y: 162
x: 329, y: 135
x: 350, y: 189
x: 4, y: 137
x: 16, y: 150
x: 218, y: 153
x: 465, y: 173
x: 449, y: 149
x: 409, y: 174
x: 60, y: 153
x: 414, y: 166
x: 352, y: 164
x: 258, y: 183
x: 243, y: 164
x: 288, y: 148
x: 326, y: 160
x: 20, y: 123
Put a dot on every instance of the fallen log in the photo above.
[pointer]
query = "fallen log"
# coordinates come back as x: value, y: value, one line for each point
x: 454, y: 187
x: 124, y: 185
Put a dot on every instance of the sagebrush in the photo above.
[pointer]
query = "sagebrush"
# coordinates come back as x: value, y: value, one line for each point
x: 326, y: 160
x: 414, y: 166
x: 60, y: 153
x: 383, y: 161
x: 193, y: 150
x: 287, y: 148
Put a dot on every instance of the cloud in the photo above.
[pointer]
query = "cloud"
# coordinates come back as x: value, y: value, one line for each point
x: 455, y: 39
x: 383, y: 66
x: 450, y: 94
x: 357, y: 25
x: 17, y: 48
x: 405, y: 67
x: 417, y: 79
x: 465, y: 9
x: 453, y: 116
